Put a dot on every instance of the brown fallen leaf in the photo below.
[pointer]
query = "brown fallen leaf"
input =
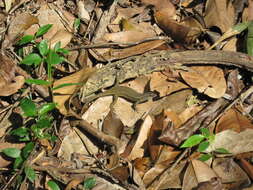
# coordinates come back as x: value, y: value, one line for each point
x: 138, y: 149
x: 9, y: 83
x: 19, y: 25
x: 114, y: 54
x: 206, y: 79
x: 233, y: 120
x: 112, y: 125
x: 232, y: 141
x: 230, y: 173
x: 202, y: 171
x: 173, y: 177
x: 165, y: 84
x: 61, y: 95
x: 127, y: 36
x: 247, y: 167
x: 219, y: 13
x: 62, y: 36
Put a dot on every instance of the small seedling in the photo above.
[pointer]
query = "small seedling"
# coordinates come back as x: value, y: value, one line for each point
x: 203, y: 141
x: 42, y: 54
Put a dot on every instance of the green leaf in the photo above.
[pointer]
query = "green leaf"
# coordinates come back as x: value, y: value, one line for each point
x: 25, y: 40
x: 43, y: 123
x: 89, y: 183
x: 53, y: 58
x: 250, y: 39
x: 240, y: 27
x: 18, y: 162
x: 42, y: 30
x: 28, y: 107
x: 12, y: 152
x: 222, y: 151
x: 63, y: 51
x: 66, y: 84
x: 43, y: 48
x: 53, y: 185
x: 205, y: 132
x: 27, y: 149
x: 205, y: 157
x: 30, y: 173
x: 45, y: 108
x: 37, y: 81
x: 32, y: 59
x: 21, y: 132
x: 38, y: 132
x: 203, y: 146
x: 192, y: 141
x: 57, y: 46
x: 77, y: 23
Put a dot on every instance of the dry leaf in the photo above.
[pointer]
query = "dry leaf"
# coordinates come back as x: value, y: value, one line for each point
x: 8, y: 4
x: 190, y: 180
x: 206, y: 79
x: 173, y: 177
x: 72, y: 143
x: 112, y: 125
x: 202, y: 171
x: 19, y: 25
x: 127, y: 36
x: 232, y: 141
x: 230, y: 172
x: 165, y: 5
x: 9, y: 83
x: 138, y: 149
x: 115, y: 54
x: 49, y: 16
x: 141, y: 165
x: 165, y: 85
x: 233, y: 120
x: 219, y: 13
x: 61, y: 95
x: 62, y: 36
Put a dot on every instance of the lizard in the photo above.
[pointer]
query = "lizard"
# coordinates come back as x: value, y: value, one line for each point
x: 123, y: 92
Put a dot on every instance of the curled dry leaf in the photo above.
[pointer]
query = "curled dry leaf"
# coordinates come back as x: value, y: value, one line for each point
x: 206, y: 79
x: 62, y: 36
x: 233, y: 120
x: 233, y: 142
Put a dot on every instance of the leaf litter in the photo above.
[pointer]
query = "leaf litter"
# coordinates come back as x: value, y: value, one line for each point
x: 136, y: 133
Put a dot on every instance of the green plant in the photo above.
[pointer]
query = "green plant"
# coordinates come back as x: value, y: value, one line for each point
x: 42, y: 54
x: 203, y: 141
x: 38, y: 118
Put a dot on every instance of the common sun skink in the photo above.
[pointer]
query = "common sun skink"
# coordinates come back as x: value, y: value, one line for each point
x: 123, y: 92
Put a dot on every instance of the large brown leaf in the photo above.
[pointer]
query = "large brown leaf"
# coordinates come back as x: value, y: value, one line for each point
x: 219, y: 13
x: 206, y: 79
x: 233, y: 120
